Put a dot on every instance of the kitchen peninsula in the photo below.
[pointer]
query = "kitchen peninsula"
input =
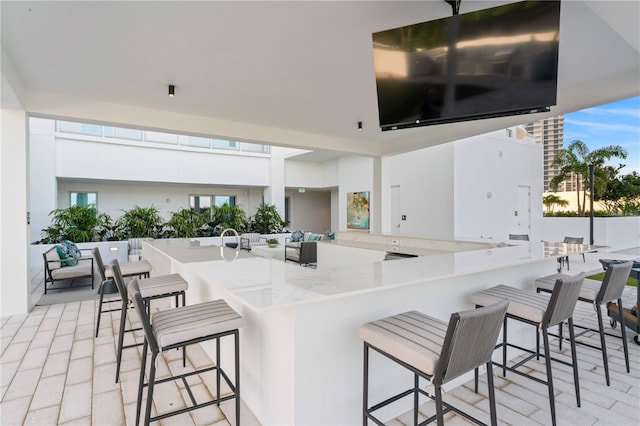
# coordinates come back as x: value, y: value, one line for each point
x: 301, y: 359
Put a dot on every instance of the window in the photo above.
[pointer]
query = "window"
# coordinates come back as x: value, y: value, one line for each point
x: 199, y: 142
x: 79, y: 128
x: 122, y: 133
x: 224, y: 144
x: 161, y: 137
x: 222, y: 199
x: 84, y: 199
x: 199, y: 202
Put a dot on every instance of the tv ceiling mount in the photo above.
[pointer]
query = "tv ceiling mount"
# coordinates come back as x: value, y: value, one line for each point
x: 455, y: 5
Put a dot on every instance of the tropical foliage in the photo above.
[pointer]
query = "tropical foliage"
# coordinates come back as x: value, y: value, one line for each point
x: 552, y: 200
x: 574, y: 164
x: 80, y: 224
x: 139, y: 222
x: 267, y: 220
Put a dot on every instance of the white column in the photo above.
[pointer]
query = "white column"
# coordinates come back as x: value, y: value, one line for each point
x: 14, y: 230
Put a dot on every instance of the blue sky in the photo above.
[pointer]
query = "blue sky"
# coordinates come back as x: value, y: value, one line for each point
x: 617, y: 123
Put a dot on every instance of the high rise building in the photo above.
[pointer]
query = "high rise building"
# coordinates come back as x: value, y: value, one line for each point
x: 550, y: 132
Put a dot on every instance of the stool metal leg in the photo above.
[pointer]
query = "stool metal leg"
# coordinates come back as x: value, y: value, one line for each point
x: 603, y: 345
x: 416, y: 395
x: 574, y: 360
x: 100, y: 290
x: 365, y: 384
x: 623, y: 329
x: 218, y: 370
x: 439, y: 414
x: 143, y: 367
x: 492, y: 394
x: 547, y: 356
x: 236, y: 336
x: 123, y: 320
x: 150, y: 386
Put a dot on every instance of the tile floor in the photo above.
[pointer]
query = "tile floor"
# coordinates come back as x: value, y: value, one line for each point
x: 55, y: 371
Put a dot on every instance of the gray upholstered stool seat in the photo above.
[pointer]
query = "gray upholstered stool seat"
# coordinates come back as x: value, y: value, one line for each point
x: 434, y: 350
x: 185, y: 323
x: 179, y: 327
x: 131, y: 269
x: 162, y: 284
x: 522, y: 303
x: 412, y: 337
x: 589, y: 290
x: 542, y: 312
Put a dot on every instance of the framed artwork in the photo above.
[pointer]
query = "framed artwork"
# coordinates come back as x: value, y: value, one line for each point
x: 358, y: 210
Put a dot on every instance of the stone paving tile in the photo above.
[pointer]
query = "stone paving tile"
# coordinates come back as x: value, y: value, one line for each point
x: 107, y: 408
x: 14, y: 411
x: 43, y: 416
x: 76, y: 402
x: 24, y: 383
x: 49, y: 392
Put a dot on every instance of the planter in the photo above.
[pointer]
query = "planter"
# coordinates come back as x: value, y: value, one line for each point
x: 272, y: 245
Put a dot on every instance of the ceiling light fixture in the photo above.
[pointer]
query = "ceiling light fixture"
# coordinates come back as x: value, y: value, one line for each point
x: 359, y: 125
x: 172, y: 90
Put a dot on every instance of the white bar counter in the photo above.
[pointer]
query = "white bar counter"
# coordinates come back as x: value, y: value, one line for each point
x: 301, y: 359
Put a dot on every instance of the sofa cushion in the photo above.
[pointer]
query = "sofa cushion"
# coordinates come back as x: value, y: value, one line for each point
x: 77, y: 271
x: 297, y: 236
x: 53, y: 256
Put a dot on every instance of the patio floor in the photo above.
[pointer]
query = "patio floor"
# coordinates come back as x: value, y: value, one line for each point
x: 55, y: 371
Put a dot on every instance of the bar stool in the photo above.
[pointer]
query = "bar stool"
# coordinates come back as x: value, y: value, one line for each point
x: 542, y: 312
x: 179, y: 327
x: 598, y: 294
x: 140, y: 269
x: 435, y: 351
x: 161, y: 286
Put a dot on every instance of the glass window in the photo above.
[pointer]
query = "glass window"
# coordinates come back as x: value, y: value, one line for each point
x: 199, y: 202
x: 222, y: 199
x: 84, y: 199
x: 79, y: 128
x: 122, y: 133
x: 161, y: 137
x: 254, y: 147
x: 199, y: 142
x: 224, y: 144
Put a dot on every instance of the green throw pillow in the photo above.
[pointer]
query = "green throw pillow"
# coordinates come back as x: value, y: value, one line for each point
x: 63, y: 256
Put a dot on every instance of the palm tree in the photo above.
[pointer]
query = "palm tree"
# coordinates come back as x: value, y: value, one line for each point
x: 552, y: 200
x: 574, y: 163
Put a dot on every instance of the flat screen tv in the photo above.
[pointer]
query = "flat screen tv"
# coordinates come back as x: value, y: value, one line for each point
x: 489, y: 63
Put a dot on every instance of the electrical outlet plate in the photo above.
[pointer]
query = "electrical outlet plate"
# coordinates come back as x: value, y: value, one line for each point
x: 395, y: 242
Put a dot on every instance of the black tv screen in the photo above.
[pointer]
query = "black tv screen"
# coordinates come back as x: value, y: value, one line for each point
x: 489, y: 63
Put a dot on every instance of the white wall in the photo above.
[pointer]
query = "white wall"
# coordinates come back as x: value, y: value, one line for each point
x: 310, y: 210
x: 425, y: 178
x: 488, y: 170
x: 114, y: 197
x: 618, y: 233
x: 14, y: 205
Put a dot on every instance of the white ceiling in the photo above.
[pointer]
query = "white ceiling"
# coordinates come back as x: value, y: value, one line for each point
x: 296, y: 73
